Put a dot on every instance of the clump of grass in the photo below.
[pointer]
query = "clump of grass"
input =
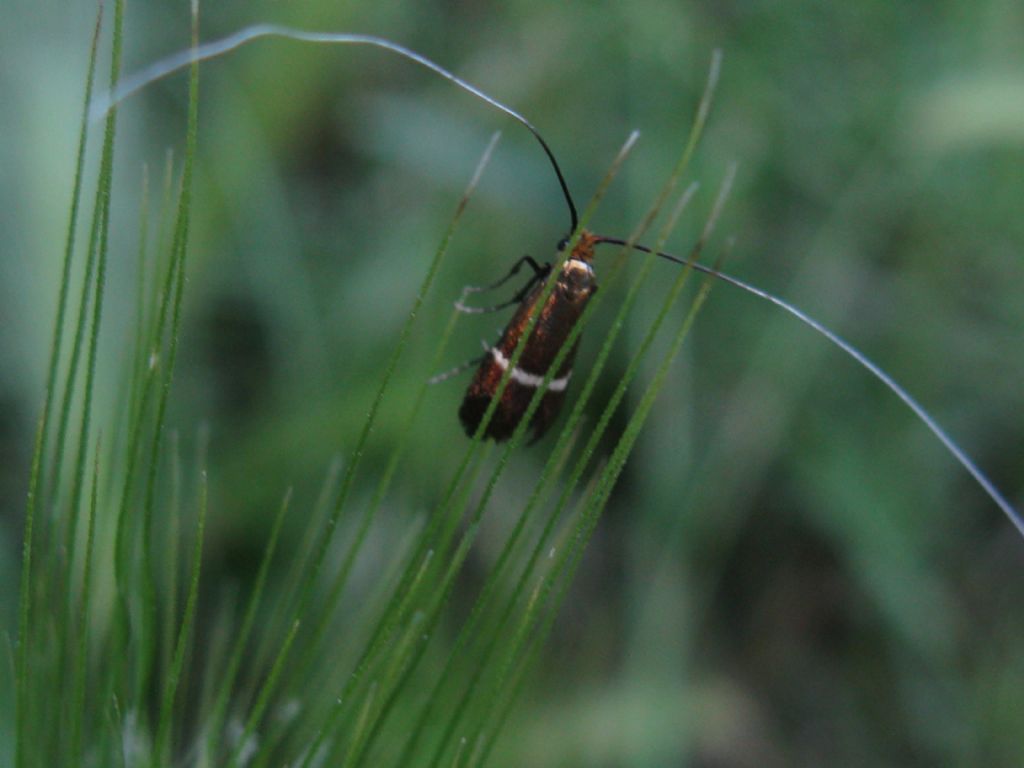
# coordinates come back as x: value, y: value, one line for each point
x: 154, y: 680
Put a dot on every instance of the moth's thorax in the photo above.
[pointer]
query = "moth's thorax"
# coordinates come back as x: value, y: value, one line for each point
x: 577, y: 280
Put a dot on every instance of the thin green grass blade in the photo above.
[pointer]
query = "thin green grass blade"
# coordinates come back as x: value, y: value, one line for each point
x: 131, y: 383
x: 144, y: 586
x: 78, y: 710
x: 215, y: 721
x: 155, y: 307
x: 139, y: 352
x: 165, y: 721
x: 69, y: 244
x: 364, y: 715
x: 179, y: 250
x: 116, y: 721
x: 460, y: 752
x: 25, y: 614
x: 170, y: 556
x: 71, y: 375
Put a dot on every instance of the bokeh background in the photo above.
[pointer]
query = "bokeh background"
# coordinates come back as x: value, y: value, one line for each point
x: 792, y: 571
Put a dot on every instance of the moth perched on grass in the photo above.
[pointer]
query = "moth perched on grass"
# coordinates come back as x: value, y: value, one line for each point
x: 479, y: 412
x: 575, y: 285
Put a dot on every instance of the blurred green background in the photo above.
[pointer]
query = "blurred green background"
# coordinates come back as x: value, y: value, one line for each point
x: 792, y: 571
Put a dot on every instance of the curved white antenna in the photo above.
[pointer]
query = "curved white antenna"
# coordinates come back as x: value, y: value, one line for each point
x: 919, y: 411
x: 102, y: 104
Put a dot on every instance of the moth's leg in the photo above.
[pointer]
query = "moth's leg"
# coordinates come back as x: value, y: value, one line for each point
x: 456, y: 370
x: 540, y: 271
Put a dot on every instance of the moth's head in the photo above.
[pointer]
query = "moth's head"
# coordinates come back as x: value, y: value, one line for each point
x: 584, y: 250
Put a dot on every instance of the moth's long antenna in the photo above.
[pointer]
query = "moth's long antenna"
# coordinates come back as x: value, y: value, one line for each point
x: 129, y: 85
x: 864, y: 361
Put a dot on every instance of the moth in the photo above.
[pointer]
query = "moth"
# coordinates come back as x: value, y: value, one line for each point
x: 556, y: 317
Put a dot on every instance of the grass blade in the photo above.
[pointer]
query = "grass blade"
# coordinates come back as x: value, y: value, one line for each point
x: 179, y: 254
x: 69, y: 245
x: 78, y: 709
x: 165, y: 721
